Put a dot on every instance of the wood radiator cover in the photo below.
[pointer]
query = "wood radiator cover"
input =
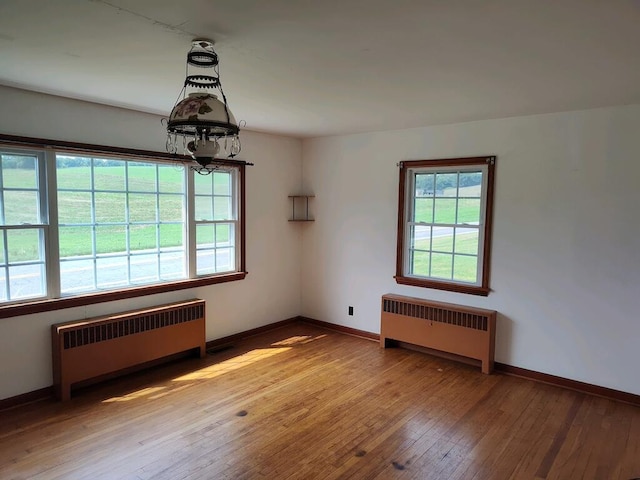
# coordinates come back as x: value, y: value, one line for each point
x: 457, y: 329
x: 85, y: 349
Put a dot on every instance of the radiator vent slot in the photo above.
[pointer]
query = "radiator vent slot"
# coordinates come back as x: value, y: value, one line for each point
x: 436, y: 314
x: 130, y: 325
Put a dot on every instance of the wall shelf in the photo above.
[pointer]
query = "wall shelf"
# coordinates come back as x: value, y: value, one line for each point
x: 300, y: 208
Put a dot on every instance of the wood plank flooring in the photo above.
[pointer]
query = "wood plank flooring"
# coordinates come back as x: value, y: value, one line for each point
x: 301, y: 402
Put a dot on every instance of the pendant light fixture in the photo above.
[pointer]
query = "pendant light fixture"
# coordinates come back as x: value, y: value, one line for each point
x: 201, y: 124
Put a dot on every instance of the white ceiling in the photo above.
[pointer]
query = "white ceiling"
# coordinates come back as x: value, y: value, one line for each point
x: 312, y: 68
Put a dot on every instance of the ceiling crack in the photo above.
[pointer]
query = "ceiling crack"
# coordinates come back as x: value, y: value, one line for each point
x: 173, y: 28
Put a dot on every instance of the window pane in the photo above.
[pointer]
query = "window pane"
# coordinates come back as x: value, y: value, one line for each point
x: 26, y: 281
x: 73, y: 173
x: 223, y: 235
x: 470, y: 184
x: 171, y: 235
x: 445, y: 210
x: 24, y: 245
x: 110, y: 207
x: 203, y: 184
x: 2, y: 259
x: 446, y: 184
x: 144, y: 268
x: 142, y: 207
x: 221, y: 183
x: 75, y: 241
x: 21, y: 207
x: 111, y: 239
x: 142, y: 177
x: 172, y: 265
x: 222, y: 208
x: 74, y: 207
x: 171, y: 208
x: 108, y: 175
x: 441, y: 264
x: 205, y: 262
x: 142, y: 237
x: 76, y: 276
x: 204, y: 208
x: 420, y: 263
x: 467, y: 240
x: 465, y: 268
x: 4, y: 295
x: 225, y: 260
x: 111, y: 272
x: 469, y: 210
x: 205, y: 235
x: 171, y: 178
x: 442, y: 239
x: 425, y: 185
x: 19, y: 171
x: 423, y: 210
x: 421, y: 237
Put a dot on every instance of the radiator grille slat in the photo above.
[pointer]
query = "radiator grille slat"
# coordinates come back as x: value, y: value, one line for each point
x: 135, y: 324
x: 436, y: 314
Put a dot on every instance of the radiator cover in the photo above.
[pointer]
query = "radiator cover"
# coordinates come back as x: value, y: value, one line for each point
x: 450, y: 328
x: 89, y: 348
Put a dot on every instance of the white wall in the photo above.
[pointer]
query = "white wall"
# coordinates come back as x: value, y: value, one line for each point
x: 566, y: 239
x: 271, y: 291
x: 566, y: 255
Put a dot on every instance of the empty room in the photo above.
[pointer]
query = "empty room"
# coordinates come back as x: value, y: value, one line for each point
x: 319, y: 240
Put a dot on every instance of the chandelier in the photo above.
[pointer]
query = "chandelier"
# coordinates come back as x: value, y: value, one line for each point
x: 200, y: 124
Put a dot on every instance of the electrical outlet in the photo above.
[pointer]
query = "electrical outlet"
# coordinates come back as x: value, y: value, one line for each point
x: 350, y: 310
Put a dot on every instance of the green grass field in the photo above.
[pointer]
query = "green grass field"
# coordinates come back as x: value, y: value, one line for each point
x: 157, y: 190
x: 442, y: 259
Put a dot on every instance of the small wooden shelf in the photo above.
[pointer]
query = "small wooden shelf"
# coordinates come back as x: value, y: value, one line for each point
x: 301, y: 213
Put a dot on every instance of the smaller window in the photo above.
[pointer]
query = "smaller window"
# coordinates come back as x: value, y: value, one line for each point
x: 444, y: 224
x: 216, y: 222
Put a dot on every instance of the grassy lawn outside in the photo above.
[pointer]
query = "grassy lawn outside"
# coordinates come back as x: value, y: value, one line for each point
x: 442, y: 259
x: 156, y: 190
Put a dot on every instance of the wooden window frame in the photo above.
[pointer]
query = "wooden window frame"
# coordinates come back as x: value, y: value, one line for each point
x: 43, y: 305
x: 483, y: 288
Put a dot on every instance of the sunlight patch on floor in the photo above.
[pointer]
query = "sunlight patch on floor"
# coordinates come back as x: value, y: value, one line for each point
x: 134, y: 395
x: 234, y: 363
x: 297, y: 340
x: 221, y: 368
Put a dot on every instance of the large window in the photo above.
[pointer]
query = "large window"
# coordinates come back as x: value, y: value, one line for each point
x: 73, y: 225
x: 444, y: 224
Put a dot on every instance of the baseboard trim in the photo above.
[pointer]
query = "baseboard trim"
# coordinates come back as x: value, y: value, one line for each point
x: 45, y: 393
x: 590, y: 389
x: 505, y: 369
x: 569, y: 384
x: 219, y: 343
x: 342, y: 329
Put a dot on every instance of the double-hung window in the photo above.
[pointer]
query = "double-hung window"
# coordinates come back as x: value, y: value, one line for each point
x: 444, y: 224
x: 23, y: 225
x: 78, y: 227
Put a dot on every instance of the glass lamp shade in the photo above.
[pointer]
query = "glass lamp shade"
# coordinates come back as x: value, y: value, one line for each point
x: 210, y: 149
x: 202, y: 112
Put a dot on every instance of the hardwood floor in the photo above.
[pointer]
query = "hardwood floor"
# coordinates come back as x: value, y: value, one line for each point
x: 302, y: 402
